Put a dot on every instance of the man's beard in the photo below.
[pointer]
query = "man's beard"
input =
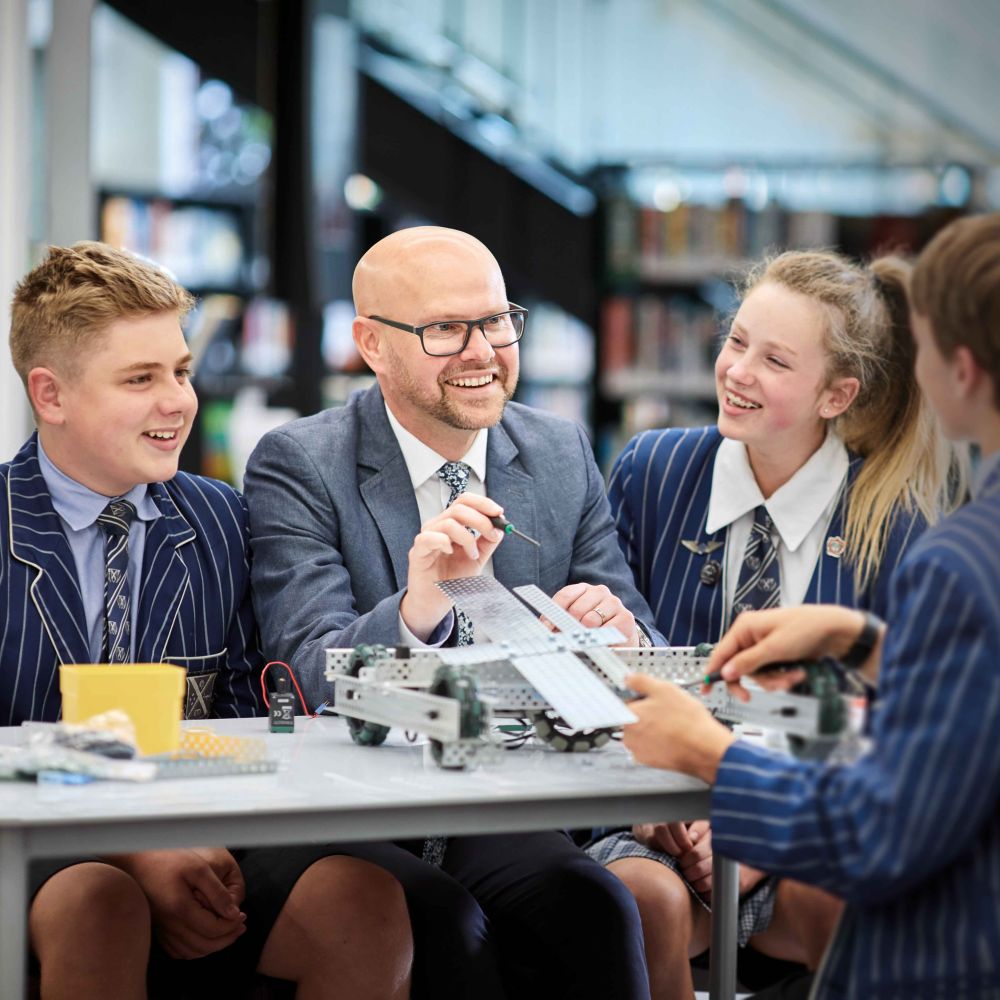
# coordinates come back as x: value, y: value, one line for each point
x: 435, y: 401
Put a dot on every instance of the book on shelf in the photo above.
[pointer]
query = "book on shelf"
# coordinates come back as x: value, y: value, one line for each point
x: 693, y: 242
x: 655, y: 333
x: 617, y: 336
x: 202, y: 245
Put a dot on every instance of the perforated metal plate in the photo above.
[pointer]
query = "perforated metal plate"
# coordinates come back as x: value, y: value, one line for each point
x: 573, y: 690
x: 463, y: 656
x: 492, y: 608
x: 609, y: 665
x: 536, y: 598
x: 676, y: 663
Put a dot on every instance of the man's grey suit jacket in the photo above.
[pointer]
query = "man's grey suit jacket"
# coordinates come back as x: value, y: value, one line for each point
x: 333, y: 517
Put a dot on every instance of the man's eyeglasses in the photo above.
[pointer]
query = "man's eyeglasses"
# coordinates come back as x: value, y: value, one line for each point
x: 451, y: 336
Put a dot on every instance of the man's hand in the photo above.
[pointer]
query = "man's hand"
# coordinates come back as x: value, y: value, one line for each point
x: 584, y: 600
x: 446, y: 549
x: 671, y: 838
x: 696, y: 863
x: 194, y: 896
x: 675, y: 731
x: 757, y: 638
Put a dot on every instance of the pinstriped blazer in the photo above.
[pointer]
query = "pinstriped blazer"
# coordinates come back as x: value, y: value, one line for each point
x: 659, y: 492
x: 909, y: 835
x: 194, y: 605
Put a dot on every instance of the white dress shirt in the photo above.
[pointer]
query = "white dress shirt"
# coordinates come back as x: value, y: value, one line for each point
x: 432, y: 494
x: 801, y: 511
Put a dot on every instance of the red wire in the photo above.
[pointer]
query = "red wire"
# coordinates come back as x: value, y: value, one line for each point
x: 291, y: 673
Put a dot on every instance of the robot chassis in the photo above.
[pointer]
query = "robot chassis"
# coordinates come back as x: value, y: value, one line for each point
x: 565, y: 682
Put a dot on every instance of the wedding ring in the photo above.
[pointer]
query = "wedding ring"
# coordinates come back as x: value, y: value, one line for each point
x: 600, y: 614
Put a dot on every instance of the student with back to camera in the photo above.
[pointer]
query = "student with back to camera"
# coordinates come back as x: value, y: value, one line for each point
x: 825, y: 465
x: 95, y: 496
x: 909, y: 833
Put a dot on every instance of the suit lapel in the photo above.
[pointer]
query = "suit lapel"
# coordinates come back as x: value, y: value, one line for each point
x: 832, y: 581
x: 384, y: 483
x: 515, y: 562
x: 704, y: 580
x: 37, y: 539
x: 164, y: 577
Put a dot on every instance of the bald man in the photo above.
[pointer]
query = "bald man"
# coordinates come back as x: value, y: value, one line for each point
x: 357, y: 512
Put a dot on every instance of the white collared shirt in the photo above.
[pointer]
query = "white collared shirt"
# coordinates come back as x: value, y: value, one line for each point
x: 801, y: 511
x: 432, y: 492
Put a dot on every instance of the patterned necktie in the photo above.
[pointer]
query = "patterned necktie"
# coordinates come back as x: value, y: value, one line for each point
x: 456, y: 477
x: 759, y: 584
x: 114, y: 521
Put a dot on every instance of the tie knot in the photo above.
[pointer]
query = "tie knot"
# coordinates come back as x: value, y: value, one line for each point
x: 117, y: 517
x: 455, y: 476
x: 762, y: 520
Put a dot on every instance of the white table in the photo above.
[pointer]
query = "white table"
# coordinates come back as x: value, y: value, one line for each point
x: 328, y: 789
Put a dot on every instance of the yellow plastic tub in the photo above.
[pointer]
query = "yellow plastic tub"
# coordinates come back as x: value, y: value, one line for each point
x: 151, y: 694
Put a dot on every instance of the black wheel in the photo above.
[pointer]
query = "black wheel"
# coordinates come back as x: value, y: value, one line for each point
x: 365, y: 734
x: 437, y: 749
x: 449, y: 683
x: 552, y: 730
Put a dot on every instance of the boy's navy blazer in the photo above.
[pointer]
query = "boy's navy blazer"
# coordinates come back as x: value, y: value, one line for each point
x: 194, y: 605
x: 659, y: 491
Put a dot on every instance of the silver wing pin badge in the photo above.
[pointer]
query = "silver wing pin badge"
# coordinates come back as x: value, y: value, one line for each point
x: 700, y: 548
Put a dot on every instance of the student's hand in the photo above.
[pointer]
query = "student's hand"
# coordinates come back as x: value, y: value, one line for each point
x: 696, y: 863
x: 226, y: 870
x: 671, y: 838
x: 675, y: 731
x: 446, y: 549
x: 584, y: 600
x: 193, y: 897
x: 806, y: 632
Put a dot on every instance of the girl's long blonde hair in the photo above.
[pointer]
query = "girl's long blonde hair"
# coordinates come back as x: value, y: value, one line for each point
x: 908, y: 463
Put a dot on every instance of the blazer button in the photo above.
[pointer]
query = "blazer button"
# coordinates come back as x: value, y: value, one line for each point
x: 710, y: 573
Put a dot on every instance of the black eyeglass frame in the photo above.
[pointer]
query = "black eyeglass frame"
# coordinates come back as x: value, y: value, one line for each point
x: 470, y: 325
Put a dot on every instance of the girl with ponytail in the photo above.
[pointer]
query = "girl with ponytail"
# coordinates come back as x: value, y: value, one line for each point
x: 824, y: 465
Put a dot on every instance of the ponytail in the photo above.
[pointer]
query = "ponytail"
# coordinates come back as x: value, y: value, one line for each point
x: 908, y: 464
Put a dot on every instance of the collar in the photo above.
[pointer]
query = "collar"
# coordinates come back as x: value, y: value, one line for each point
x: 795, y: 507
x: 987, y: 467
x: 78, y: 505
x: 423, y: 462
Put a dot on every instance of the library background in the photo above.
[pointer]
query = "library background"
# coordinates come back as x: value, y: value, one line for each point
x: 624, y: 159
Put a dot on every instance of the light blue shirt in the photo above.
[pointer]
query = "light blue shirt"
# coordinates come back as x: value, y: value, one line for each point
x: 78, y: 507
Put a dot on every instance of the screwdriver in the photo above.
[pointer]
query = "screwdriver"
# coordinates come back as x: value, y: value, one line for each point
x: 508, y: 529
x: 770, y: 668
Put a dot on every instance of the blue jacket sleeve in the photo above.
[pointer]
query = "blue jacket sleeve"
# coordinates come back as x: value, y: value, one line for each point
x: 923, y: 794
